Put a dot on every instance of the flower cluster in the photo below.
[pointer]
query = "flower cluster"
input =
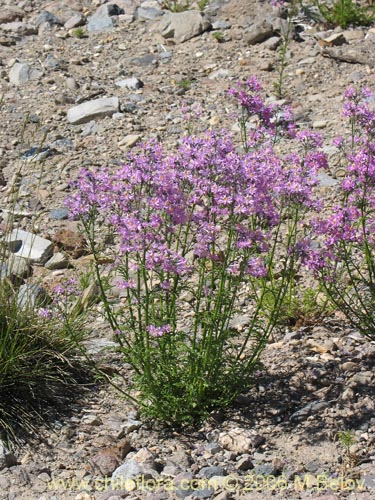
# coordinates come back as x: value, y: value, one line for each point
x: 200, y: 222
x: 352, y: 222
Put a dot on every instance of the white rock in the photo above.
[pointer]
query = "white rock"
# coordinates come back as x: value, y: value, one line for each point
x: 129, y: 141
x: 21, y: 73
x: 182, y: 26
x: 29, y: 246
x: 90, y: 110
x: 132, y: 83
x: 237, y: 440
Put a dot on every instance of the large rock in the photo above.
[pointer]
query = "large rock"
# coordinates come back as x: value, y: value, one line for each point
x: 10, y: 14
x: 102, y: 19
x: 258, y: 33
x: 90, y: 110
x: 47, y: 17
x: 29, y: 246
x: 182, y: 26
x: 64, y: 10
x: 22, y: 73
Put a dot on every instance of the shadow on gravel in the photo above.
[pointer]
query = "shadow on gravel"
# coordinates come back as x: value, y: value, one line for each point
x: 306, y: 408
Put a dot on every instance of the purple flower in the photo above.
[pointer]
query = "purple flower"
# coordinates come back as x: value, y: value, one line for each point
x: 158, y: 331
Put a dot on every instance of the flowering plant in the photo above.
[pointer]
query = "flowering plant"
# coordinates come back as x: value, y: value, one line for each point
x: 199, y: 228
x: 345, y: 262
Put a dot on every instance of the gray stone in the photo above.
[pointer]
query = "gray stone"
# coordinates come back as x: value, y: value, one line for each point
x: 21, y: 73
x: 15, y: 268
x: 75, y: 21
x: 59, y: 214
x: 148, y: 13
x: 57, y: 261
x: 221, y: 25
x: 264, y: 470
x: 102, y: 20
x: 90, y: 110
x: 258, y: 33
x: 19, y: 28
x: 131, y: 425
x: 244, y: 463
x: 145, y: 60
x: 213, y: 448
x: 131, y: 469
x: 97, y: 346
x: 310, y: 409
x: 181, y: 459
x: 7, y: 459
x: 47, y: 17
x: 9, y: 14
x: 272, y: 43
x: 31, y: 296
x: 29, y: 246
x: 182, y: 26
x: 215, y: 470
x: 132, y: 83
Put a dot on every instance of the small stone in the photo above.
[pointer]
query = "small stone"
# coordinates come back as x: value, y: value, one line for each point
x: 240, y: 440
x: 132, y: 83
x: 209, y: 472
x: 213, y: 448
x: 129, y: 141
x: 46, y: 17
x: 363, y: 378
x: 8, y: 14
x: 31, y: 296
x: 7, y: 459
x: 182, y: 26
x: 57, y: 261
x: 93, y: 420
x: 320, y: 124
x: 310, y: 409
x: 244, y: 463
x: 148, y: 13
x: 349, y: 366
x: 75, y: 21
x: 258, y: 33
x: 265, y: 470
x: 102, y: 20
x: 22, y: 73
x: 59, y: 213
x: 29, y: 246
x: 272, y: 43
x: 71, y: 83
x: 15, y: 268
x: 91, y: 110
x: 221, y: 25
x: 70, y: 241
x: 334, y: 40
x: 130, y: 426
x: 181, y: 459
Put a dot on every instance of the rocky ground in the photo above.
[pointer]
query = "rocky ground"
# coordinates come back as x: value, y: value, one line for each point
x: 83, y: 82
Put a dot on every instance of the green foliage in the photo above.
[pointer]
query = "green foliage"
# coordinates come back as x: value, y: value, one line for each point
x: 39, y: 358
x: 79, y: 33
x: 185, y: 84
x: 218, y: 35
x: 177, y: 5
x: 304, y: 306
x: 346, y: 13
x: 202, y: 4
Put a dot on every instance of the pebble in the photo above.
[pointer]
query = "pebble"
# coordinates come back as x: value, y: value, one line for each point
x: 22, y: 73
x: 92, y: 110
